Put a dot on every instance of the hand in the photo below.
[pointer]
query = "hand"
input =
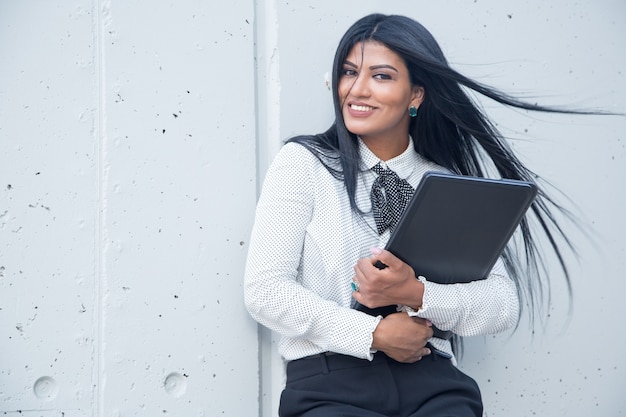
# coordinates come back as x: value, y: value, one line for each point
x: 403, y: 338
x: 395, y: 284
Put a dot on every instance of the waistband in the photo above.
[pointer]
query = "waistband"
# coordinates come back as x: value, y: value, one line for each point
x: 327, y: 362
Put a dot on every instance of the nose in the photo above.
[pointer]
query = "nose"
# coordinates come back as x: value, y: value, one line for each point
x: 360, y: 87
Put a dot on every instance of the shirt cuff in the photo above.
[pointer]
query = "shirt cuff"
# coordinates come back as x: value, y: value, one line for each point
x: 410, y: 310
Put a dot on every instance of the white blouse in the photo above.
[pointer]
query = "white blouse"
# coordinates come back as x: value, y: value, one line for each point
x: 305, y: 242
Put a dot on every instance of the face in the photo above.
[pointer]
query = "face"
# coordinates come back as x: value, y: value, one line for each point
x: 376, y: 92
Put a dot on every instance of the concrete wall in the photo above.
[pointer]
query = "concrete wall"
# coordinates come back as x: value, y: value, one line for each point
x: 133, y: 139
x: 128, y: 185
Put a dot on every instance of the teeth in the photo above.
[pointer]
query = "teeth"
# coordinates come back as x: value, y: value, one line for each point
x: 361, y: 108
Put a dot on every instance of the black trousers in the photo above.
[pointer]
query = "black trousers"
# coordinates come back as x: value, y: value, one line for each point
x: 338, y: 385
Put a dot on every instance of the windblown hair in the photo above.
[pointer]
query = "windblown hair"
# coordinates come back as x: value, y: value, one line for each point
x: 451, y: 130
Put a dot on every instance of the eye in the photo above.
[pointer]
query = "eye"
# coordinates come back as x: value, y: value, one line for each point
x: 382, y: 76
x: 348, y: 72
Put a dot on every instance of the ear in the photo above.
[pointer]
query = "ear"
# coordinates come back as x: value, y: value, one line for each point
x: 417, y: 96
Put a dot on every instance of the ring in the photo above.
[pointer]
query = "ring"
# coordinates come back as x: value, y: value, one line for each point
x: 355, y: 286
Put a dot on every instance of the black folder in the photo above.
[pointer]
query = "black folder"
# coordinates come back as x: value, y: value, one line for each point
x: 456, y: 227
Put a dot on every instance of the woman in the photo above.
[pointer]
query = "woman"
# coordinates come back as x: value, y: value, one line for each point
x: 327, y: 207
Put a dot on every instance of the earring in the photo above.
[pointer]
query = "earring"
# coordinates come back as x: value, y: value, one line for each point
x: 412, y: 111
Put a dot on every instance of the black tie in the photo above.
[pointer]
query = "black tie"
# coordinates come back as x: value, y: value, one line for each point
x: 390, y: 195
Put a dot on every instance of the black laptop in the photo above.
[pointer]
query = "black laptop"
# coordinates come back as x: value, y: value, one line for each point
x: 456, y: 227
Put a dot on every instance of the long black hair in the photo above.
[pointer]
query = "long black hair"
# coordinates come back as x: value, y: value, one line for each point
x: 451, y: 130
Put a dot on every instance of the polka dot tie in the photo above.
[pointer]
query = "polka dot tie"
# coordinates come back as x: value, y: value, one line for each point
x: 390, y: 195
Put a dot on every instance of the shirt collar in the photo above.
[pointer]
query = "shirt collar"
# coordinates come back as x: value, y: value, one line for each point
x: 403, y: 164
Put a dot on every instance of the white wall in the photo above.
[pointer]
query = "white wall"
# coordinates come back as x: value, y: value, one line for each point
x: 128, y: 186
x: 122, y: 124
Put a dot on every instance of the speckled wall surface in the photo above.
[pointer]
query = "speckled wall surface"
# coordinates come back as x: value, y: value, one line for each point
x: 557, y: 52
x: 133, y: 139
x: 127, y: 164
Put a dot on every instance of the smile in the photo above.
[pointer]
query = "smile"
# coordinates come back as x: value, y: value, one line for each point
x: 360, y: 108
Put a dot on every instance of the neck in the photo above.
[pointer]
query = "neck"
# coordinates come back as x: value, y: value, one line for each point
x: 386, y: 149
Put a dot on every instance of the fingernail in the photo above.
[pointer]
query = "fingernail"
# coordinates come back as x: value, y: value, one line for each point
x: 376, y: 251
x: 428, y: 350
x: 429, y: 323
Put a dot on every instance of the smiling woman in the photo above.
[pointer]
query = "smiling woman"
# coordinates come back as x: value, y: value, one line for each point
x: 331, y: 200
x: 375, y: 91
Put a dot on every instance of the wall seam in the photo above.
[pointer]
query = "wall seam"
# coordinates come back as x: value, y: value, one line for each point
x: 101, y: 9
x: 267, y: 125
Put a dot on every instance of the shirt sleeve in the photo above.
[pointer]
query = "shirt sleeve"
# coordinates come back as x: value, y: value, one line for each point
x: 272, y: 293
x: 485, y: 306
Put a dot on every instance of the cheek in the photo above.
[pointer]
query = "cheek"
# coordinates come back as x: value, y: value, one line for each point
x: 342, y: 96
x: 399, y: 106
x: 343, y: 89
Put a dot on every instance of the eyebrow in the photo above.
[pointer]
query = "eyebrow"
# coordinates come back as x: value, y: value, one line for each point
x: 373, y: 67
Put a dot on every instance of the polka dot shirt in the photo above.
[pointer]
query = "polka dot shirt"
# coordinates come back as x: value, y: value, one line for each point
x: 305, y: 242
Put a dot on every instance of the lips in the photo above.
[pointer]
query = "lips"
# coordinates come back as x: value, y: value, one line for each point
x: 360, y: 108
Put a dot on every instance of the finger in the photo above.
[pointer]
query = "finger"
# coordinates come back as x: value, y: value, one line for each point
x: 375, y: 258
x: 420, y: 355
x: 366, y: 272
x: 383, y: 255
x: 359, y: 275
x: 363, y: 267
x: 386, y: 258
x: 422, y: 321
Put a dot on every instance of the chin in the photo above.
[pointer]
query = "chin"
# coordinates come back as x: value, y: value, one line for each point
x: 356, y: 129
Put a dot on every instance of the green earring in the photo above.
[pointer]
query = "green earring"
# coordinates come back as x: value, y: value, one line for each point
x: 412, y: 111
